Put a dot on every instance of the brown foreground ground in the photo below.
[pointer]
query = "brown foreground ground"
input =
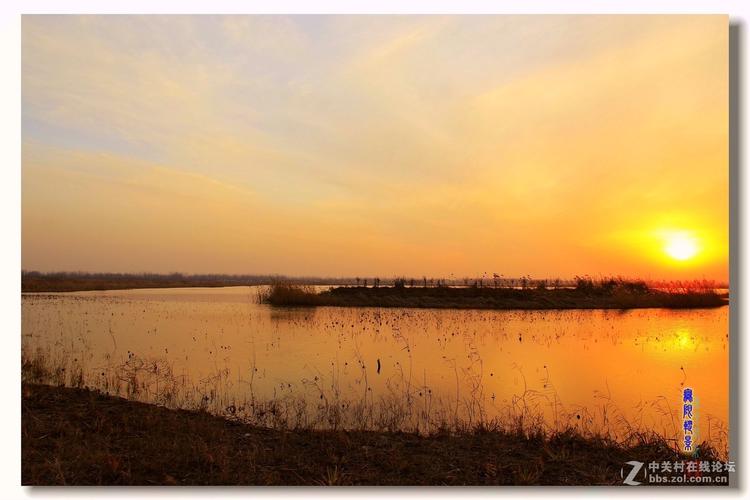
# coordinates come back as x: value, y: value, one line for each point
x: 79, y: 437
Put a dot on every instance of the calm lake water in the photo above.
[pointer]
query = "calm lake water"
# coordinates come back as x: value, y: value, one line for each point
x: 613, y: 371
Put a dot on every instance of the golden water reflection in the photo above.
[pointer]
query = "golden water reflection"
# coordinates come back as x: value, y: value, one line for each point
x: 592, y: 369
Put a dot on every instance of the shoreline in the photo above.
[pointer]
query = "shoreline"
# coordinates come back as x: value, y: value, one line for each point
x: 41, y: 287
x: 322, y: 300
x: 81, y: 437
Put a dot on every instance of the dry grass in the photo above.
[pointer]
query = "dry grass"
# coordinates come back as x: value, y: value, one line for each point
x: 291, y: 294
x: 405, y: 406
x: 79, y: 437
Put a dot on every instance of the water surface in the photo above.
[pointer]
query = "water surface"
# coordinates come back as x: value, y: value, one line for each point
x: 219, y: 349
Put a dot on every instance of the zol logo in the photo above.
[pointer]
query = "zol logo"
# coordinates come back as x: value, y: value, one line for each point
x: 630, y: 479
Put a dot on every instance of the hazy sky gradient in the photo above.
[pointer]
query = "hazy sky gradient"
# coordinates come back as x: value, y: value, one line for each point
x: 375, y: 145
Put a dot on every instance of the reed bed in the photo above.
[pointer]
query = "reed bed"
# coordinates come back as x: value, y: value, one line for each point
x: 606, y: 293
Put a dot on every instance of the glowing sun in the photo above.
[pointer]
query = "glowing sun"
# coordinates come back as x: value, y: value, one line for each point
x: 681, y: 246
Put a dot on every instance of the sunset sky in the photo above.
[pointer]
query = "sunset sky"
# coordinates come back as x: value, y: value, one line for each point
x: 376, y: 145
